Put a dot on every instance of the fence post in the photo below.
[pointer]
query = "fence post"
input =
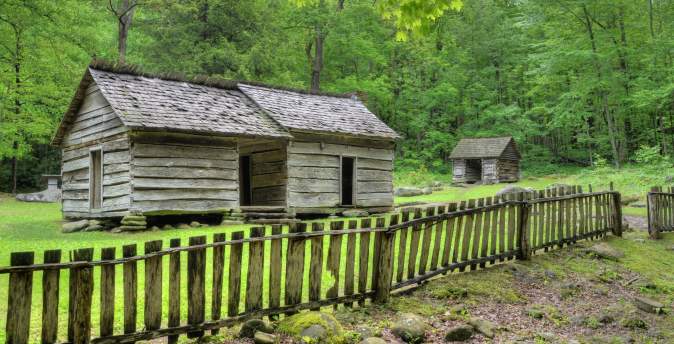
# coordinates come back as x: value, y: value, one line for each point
x: 20, y: 293
x: 652, y: 202
x: 524, y: 252
x: 385, y: 266
x: 618, y: 214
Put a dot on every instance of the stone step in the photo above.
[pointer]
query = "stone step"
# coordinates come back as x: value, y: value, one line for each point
x: 263, y: 209
x: 272, y: 221
x: 267, y: 215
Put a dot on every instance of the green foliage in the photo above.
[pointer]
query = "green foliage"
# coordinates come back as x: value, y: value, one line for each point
x: 647, y: 155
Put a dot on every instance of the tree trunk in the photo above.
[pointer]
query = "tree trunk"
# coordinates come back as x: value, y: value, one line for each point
x: 317, y: 61
x: 17, y: 105
x: 124, y: 16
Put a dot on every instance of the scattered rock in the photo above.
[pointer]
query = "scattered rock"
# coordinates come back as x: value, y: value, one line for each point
x: 364, y: 331
x: 411, y: 328
x: 315, y: 332
x: 372, y: 340
x: 264, y: 338
x: 606, y: 319
x: 250, y: 327
x: 167, y: 227
x: 134, y: 218
x: 125, y: 228
x: 154, y: 228
x: 134, y: 223
x: 195, y: 224
x: 76, y: 226
x: 485, y: 327
x: 459, y: 333
x: 638, y: 205
x: 355, y: 213
x: 605, y: 251
x: 94, y: 228
x: 513, y: 189
x: 427, y: 190
x: 303, y: 324
x: 407, y: 191
x: 578, y: 320
x: 550, y: 274
x: 183, y: 226
x: 647, y: 305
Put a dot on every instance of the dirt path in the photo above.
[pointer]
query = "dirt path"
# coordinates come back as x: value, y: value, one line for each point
x: 636, y: 222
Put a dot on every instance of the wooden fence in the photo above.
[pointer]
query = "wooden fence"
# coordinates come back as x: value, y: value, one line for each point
x: 660, y: 211
x: 281, y: 270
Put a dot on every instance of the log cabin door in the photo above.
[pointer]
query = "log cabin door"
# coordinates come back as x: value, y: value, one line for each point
x: 245, y: 183
x: 347, y: 180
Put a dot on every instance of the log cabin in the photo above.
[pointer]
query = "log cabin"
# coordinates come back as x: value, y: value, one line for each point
x: 138, y: 144
x: 487, y: 160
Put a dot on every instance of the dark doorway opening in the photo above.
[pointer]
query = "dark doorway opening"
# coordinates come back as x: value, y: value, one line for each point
x: 473, y: 170
x: 245, y: 187
x: 347, y: 181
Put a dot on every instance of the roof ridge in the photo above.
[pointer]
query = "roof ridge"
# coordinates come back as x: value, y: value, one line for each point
x: 203, y: 80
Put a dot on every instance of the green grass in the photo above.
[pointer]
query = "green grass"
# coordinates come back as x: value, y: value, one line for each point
x: 36, y: 227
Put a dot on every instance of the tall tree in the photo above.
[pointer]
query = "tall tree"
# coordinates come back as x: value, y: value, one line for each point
x: 123, y: 12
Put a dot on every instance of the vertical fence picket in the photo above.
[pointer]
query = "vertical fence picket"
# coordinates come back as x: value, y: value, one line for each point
x: 174, y: 290
x: 19, y: 297
x: 130, y: 276
x: 217, y: 280
x: 486, y: 227
x: 295, y: 266
x: 316, y: 264
x: 255, y: 271
x: 196, y: 285
x: 275, y: 261
x: 493, y: 237
x: 153, y: 286
x: 364, y: 258
x: 79, y: 323
x: 50, y: 298
x: 414, y: 246
x: 334, y: 258
x: 234, y: 280
x: 437, y: 241
x: 512, y: 222
x: 448, y: 244
x: 402, y: 247
x: 349, y: 271
x: 467, y: 235
x: 477, y: 230
x: 107, y: 293
x: 380, y: 222
x: 459, y: 234
x: 426, y: 241
x: 385, y: 266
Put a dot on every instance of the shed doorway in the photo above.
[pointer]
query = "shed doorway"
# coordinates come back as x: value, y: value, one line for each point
x: 473, y: 170
x: 347, y: 181
x: 245, y: 185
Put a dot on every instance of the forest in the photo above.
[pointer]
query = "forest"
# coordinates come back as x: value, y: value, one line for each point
x: 575, y: 82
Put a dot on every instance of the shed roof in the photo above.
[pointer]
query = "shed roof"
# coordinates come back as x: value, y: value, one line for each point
x: 146, y: 102
x: 318, y: 112
x: 487, y: 147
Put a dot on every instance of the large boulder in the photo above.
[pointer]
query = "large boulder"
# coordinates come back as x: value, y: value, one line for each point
x: 319, y: 327
x: 408, y: 191
x: 647, y: 305
x: 427, y: 190
x: 41, y: 196
x: 513, y: 189
x: 76, y: 226
x: 411, y: 328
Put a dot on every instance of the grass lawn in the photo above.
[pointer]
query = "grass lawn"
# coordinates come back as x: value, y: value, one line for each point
x: 36, y: 227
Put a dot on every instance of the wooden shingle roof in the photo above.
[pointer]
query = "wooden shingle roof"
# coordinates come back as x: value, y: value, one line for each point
x: 303, y: 111
x: 488, y: 147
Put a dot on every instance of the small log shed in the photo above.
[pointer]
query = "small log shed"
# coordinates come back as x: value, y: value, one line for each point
x: 140, y: 144
x: 488, y: 160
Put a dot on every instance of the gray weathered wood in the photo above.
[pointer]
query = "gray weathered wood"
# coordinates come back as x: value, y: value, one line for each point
x: 19, y: 298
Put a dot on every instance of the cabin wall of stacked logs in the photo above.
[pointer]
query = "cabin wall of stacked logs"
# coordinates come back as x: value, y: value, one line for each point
x: 660, y: 204
x: 382, y: 255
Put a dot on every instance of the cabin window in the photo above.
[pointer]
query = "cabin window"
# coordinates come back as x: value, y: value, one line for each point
x: 96, y: 179
x: 246, y: 190
x: 347, y: 180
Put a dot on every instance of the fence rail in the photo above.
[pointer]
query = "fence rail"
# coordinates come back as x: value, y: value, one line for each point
x: 282, y: 270
x: 660, y: 211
